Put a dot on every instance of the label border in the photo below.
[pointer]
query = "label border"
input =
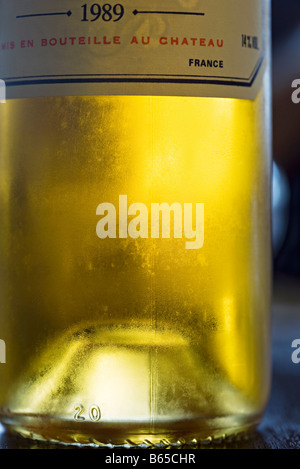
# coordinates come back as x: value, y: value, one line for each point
x: 143, y: 78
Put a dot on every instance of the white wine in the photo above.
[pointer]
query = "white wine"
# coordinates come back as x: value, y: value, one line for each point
x: 135, y: 251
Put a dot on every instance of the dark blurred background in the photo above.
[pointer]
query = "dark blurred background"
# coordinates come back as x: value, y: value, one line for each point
x: 286, y: 138
x: 281, y: 425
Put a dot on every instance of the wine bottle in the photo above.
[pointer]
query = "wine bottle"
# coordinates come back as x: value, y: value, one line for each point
x: 135, y: 219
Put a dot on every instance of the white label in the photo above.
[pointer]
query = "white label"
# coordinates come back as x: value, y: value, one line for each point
x: 132, y: 47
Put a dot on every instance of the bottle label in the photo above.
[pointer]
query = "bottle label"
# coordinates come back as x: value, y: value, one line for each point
x: 203, y: 48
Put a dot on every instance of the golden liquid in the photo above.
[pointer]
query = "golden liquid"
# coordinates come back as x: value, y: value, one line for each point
x: 165, y: 343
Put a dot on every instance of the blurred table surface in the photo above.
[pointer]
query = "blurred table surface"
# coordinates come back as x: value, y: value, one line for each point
x: 280, y: 427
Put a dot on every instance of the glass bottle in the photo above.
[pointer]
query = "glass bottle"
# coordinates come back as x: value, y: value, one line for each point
x: 135, y: 220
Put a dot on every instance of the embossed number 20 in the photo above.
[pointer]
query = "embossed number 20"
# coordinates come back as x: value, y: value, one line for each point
x: 94, y: 413
x: 107, y: 12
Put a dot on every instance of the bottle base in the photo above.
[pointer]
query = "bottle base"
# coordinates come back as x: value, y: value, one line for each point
x: 130, y: 435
